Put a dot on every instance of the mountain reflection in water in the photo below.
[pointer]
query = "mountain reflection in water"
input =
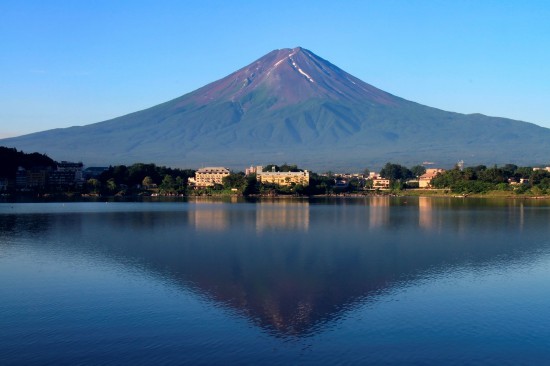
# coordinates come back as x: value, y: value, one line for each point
x: 292, y: 266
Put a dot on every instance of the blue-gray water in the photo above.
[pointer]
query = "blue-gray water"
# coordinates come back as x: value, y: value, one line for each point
x: 351, y: 281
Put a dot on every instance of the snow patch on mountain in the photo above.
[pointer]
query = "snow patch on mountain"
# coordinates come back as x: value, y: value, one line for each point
x: 296, y: 67
x: 278, y: 62
x: 306, y: 75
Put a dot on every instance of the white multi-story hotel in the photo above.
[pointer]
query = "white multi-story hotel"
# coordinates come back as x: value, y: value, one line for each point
x: 207, y: 177
x: 282, y: 178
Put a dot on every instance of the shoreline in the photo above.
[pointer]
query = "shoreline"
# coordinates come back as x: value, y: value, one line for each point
x: 68, y: 197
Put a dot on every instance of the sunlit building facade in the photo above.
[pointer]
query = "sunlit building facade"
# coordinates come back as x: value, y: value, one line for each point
x: 425, y: 180
x: 283, y: 178
x: 207, y: 177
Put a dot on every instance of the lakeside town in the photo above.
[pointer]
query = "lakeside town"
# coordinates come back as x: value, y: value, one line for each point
x: 37, y: 175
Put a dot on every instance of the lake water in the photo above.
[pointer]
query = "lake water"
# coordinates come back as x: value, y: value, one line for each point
x: 425, y: 281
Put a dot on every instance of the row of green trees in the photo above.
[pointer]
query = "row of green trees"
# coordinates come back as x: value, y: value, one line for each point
x: 477, y: 179
x: 481, y: 179
x: 148, y: 177
x: 397, y: 172
x: 139, y: 177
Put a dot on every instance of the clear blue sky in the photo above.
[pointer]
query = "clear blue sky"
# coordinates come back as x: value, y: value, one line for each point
x: 65, y: 63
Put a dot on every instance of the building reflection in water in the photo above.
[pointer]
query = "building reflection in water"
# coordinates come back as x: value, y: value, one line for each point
x: 425, y: 213
x: 521, y: 220
x: 267, y: 215
x: 210, y: 218
x: 379, y: 211
x: 282, y: 215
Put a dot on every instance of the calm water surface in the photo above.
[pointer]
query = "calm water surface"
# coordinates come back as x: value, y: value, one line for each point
x: 378, y: 280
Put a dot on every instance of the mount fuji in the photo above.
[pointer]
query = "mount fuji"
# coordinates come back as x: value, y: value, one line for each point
x: 293, y: 106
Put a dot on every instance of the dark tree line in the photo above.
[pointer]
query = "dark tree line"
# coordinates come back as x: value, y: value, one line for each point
x: 139, y: 177
x: 134, y: 175
x: 397, y: 172
x: 11, y: 159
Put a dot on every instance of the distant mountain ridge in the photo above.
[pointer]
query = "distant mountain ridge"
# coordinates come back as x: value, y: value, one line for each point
x: 293, y: 106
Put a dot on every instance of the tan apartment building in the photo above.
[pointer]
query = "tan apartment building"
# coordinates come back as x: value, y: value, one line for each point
x: 207, y: 177
x: 424, y: 181
x: 380, y: 183
x: 283, y: 178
